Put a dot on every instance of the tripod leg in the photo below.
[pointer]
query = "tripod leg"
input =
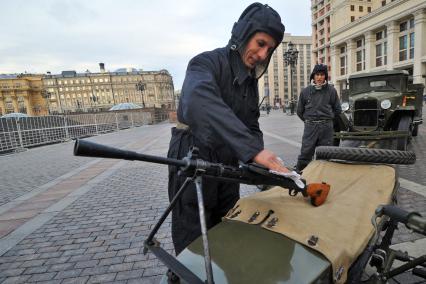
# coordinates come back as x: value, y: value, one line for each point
x: 207, y: 259
x: 166, y: 213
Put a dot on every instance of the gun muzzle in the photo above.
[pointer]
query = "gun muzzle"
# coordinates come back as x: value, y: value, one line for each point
x: 91, y: 149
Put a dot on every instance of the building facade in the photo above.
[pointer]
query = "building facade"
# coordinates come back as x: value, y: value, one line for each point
x: 84, y: 92
x: 69, y: 92
x: 274, y: 85
x: 392, y: 36
x: 22, y: 93
x: 331, y: 15
x: 321, y: 29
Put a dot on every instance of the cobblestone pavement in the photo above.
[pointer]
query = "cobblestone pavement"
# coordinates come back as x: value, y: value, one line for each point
x: 24, y: 171
x: 98, y: 238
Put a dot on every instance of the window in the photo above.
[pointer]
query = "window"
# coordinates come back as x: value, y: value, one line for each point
x: 381, y: 54
x: 361, y: 8
x: 411, y: 45
x: 381, y: 48
x: 369, y: 9
x: 403, y: 48
x: 360, y: 55
x: 375, y: 84
x: 352, y: 7
x: 352, y: 18
x: 383, y: 3
x: 406, y: 40
x: 343, y: 65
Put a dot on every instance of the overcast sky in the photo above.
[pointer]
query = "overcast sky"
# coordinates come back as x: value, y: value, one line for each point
x: 55, y: 35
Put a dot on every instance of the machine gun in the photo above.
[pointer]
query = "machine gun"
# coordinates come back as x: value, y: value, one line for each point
x: 194, y: 169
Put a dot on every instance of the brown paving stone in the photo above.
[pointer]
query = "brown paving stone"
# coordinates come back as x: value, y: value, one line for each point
x: 15, y: 217
x: 47, y: 197
x: 57, y: 190
x: 31, y: 205
x: 50, y: 195
x: 7, y: 226
x: 73, y: 184
x: 21, y: 214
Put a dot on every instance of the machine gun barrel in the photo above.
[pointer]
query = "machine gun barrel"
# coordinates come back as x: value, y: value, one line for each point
x: 91, y: 149
x: 247, y: 174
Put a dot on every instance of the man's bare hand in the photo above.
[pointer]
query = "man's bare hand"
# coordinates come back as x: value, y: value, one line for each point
x: 268, y: 159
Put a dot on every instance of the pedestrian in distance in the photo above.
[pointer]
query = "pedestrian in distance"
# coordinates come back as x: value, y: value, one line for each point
x: 317, y: 106
x: 218, y: 113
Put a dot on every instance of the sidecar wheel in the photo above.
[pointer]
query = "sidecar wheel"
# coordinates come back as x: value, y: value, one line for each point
x: 380, y: 156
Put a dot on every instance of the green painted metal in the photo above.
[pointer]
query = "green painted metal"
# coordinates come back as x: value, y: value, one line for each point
x: 379, y: 73
x: 371, y: 135
x: 244, y: 253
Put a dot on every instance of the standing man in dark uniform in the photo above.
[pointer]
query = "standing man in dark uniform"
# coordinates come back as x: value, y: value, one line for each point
x: 218, y: 113
x: 318, y: 105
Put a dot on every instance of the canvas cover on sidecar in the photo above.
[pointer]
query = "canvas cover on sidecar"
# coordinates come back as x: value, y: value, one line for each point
x: 265, y: 237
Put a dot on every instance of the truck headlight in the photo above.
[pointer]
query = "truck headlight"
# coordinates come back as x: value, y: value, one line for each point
x: 385, y: 104
x: 345, y: 106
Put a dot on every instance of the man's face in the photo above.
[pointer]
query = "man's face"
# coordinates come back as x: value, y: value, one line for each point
x: 257, y: 50
x: 319, y: 78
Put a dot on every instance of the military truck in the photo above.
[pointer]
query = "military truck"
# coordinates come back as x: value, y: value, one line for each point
x: 381, y: 105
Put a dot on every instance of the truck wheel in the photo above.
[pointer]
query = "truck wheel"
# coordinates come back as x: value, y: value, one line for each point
x: 369, y: 155
x: 403, y: 124
x: 415, y: 130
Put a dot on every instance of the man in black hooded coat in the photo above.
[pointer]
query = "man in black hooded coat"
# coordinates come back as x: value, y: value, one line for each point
x: 218, y: 113
x: 318, y: 105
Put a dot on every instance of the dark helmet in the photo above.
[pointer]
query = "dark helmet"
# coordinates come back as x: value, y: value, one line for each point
x: 256, y: 18
x: 320, y: 68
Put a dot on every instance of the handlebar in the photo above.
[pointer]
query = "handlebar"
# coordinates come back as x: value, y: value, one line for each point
x: 412, y: 220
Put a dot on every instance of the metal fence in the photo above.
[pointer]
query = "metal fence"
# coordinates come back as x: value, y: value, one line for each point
x: 23, y: 132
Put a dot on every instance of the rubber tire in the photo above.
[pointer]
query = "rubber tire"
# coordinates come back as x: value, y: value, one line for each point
x: 404, y: 125
x: 366, y: 155
x: 415, y: 131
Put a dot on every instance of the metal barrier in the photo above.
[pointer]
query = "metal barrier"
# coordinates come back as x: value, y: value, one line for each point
x: 23, y: 132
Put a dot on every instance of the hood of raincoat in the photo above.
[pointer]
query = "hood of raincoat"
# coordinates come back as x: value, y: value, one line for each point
x: 319, y: 68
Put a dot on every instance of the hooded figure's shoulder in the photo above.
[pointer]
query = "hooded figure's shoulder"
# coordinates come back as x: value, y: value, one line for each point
x: 307, y: 89
x: 215, y: 59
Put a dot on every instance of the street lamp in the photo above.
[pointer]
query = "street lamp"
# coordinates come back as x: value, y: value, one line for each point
x: 140, y: 86
x: 290, y: 58
x: 46, y: 95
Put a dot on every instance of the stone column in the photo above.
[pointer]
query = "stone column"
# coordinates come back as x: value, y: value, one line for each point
x: 15, y: 102
x: 2, y: 106
x: 27, y: 104
x: 350, y: 57
x: 419, y: 68
x: 370, y: 52
x: 281, y: 82
x: 335, y: 66
x: 392, y: 46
